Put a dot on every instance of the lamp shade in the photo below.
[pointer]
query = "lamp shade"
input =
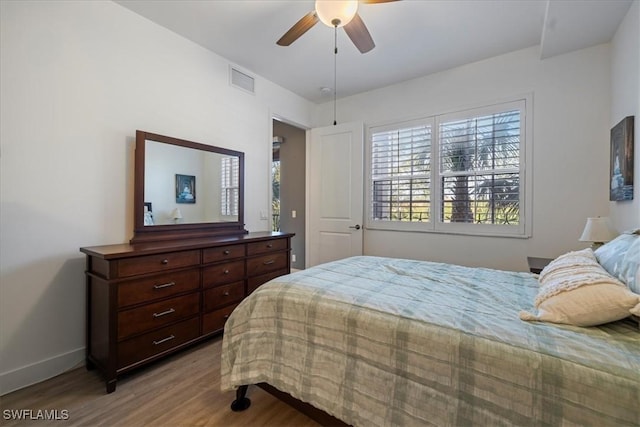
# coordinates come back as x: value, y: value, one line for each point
x: 176, y: 214
x: 334, y: 13
x: 598, y: 230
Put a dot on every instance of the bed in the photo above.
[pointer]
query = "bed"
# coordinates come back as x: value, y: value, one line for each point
x: 378, y: 341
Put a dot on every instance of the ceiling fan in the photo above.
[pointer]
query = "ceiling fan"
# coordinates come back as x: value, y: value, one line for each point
x: 335, y: 14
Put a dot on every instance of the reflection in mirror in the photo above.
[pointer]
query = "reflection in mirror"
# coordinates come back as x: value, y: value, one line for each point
x: 186, y: 186
x: 186, y: 189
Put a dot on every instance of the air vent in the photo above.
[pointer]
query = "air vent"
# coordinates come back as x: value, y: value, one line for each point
x: 242, y: 80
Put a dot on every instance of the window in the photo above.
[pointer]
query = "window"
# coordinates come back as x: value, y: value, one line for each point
x: 275, y: 195
x: 401, y: 173
x: 229, y: 185
x: 461, y: 172
x: 480, y: 169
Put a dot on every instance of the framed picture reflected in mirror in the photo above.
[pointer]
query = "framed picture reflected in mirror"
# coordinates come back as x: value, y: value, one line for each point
x: 185, y: 188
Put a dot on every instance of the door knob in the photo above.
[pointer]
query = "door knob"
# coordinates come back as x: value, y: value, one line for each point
x: 357, y: 226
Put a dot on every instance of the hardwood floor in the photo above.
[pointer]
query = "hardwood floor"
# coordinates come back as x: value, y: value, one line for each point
x: 182, y: 390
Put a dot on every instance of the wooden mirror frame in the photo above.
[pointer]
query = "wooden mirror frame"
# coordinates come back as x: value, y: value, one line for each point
x: 154, y: 233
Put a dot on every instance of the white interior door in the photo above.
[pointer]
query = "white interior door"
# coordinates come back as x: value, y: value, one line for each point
x: 335, y: 193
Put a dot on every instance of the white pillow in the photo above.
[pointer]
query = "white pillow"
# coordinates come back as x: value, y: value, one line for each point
x: 630, y: 267
x: 576, y: 290
x: 621, y: 258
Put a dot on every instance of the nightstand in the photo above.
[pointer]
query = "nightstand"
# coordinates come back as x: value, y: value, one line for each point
x: 537, y: 264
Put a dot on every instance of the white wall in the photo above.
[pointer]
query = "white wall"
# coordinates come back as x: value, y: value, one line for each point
x: 571, y: 99
x: 625, y: 101
x: 77, y: 80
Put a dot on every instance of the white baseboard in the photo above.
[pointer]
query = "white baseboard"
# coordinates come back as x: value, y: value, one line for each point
x: 40, y: 371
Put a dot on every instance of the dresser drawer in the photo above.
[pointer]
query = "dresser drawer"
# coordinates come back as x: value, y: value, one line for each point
x: 223, y: 295
x: 155, y: 287
x: 148, y: 345
x: 154, y: 263
x: 254, y: 282
x: 267, y: 263
x: 226, y: 272
x: 157, y: 314
x: 266, y: 246
x: 214, y: 321
x: 222, y: 253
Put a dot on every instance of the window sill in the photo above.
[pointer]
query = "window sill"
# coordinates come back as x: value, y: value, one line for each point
x: 414, y: 229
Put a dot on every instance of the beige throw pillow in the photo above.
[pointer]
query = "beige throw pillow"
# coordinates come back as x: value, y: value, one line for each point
x: 576, y: 290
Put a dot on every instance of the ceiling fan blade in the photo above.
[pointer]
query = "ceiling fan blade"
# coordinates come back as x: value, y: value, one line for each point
x: 298, y: 29
x: 377, y: 1
x: 359, y: 35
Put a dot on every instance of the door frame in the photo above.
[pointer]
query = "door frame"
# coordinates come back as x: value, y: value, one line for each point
x: 306, y: 129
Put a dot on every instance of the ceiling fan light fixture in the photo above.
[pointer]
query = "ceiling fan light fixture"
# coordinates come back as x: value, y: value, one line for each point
x: 335, y: 13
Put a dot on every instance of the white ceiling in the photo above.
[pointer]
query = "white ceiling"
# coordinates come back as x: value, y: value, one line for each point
x: 413, y: 37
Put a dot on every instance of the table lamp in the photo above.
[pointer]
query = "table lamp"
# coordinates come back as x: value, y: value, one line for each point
x: 598, y: 231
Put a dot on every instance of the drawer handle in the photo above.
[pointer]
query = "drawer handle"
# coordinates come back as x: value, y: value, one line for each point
x: 164, y: 313
x: 226, y: 293
x: 225, y: 272
x: 169, y: 338
x: 164, y: 261
x: 271, y: 261
x: 269, y: 245
x: 226, y: 252
x: 165, y: 285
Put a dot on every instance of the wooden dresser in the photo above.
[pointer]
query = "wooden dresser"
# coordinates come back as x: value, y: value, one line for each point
x: 147, y: 300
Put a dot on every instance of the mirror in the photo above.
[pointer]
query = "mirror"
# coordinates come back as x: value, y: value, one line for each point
x: 185, y: 189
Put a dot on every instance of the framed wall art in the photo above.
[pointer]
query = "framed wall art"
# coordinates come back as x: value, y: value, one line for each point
x: 185, y: 188
x: 621, y: 165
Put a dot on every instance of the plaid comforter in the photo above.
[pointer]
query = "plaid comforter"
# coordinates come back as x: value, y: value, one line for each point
x: 391, y: 342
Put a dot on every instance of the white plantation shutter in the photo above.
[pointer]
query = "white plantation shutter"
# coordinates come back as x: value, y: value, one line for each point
x: 229, y: 177
x: 479, y: 159
x: 461, y: 172
x: 401, y: 174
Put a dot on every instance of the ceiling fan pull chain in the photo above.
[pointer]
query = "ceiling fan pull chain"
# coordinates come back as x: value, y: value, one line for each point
x: 335, y: 73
